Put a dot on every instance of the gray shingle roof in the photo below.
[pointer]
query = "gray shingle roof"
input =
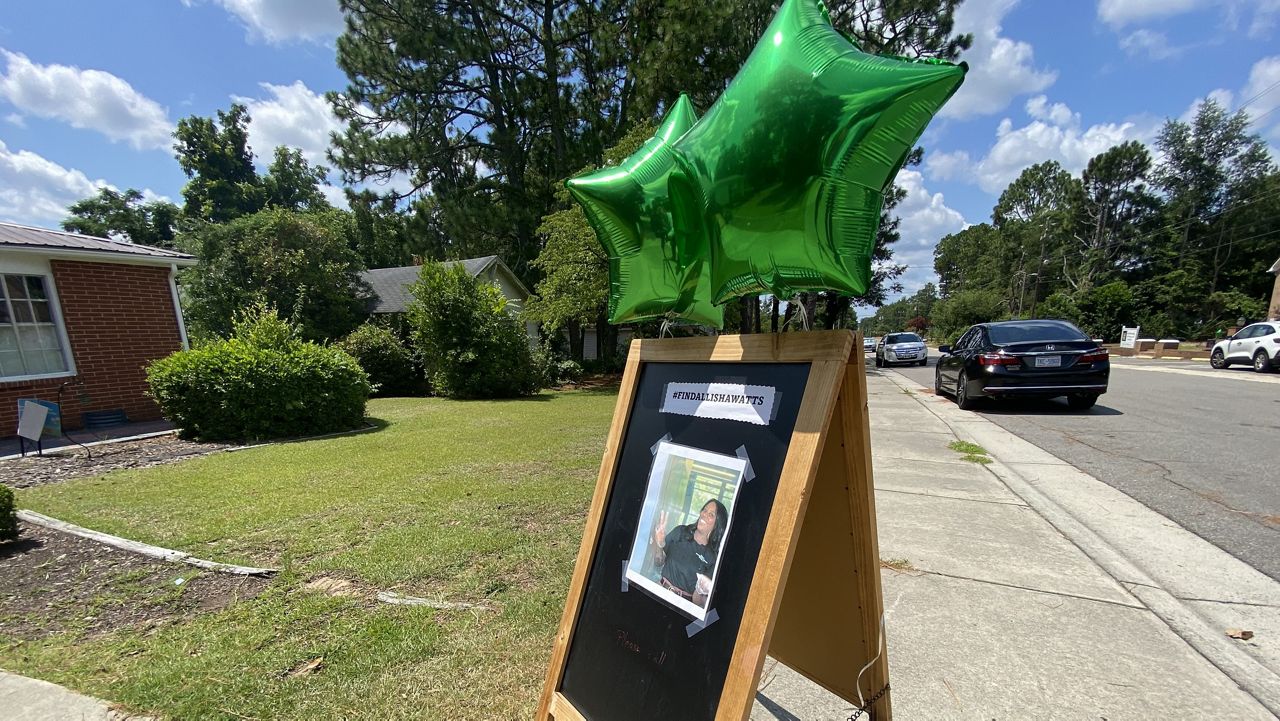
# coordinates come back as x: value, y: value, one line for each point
x: 391, y: 285
x: 26, y: 237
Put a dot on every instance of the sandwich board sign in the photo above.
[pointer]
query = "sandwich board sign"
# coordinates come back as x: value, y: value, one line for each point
x: 733, y: 517
x: 1129, y: 337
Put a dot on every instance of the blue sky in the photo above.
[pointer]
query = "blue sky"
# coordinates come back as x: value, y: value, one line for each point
x: 89, y: 92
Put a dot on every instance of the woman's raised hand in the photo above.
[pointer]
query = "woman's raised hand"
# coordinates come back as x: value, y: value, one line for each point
x: 660, y: 530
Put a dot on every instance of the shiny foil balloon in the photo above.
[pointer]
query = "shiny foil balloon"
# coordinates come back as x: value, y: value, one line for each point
x: 650, y: 275
x: 784, y: 176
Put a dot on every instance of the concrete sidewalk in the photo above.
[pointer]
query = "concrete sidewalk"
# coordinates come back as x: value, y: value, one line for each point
x: 1030, y: 590
x: 27, y: 699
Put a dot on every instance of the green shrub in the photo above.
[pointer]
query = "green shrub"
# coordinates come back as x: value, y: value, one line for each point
x: 385, y: 358
x: 8, y: 521
x: 568, y: 371
x: 262, y: 383
x: 470, y: 345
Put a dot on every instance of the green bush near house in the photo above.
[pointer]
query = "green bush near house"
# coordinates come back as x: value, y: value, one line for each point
x: 261, y: 383
x: 470, y: 344
x: 8, y: 521
x: 389, y: 363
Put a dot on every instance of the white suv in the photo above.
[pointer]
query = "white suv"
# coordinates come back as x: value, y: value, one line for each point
x: 1257, y: 344
x: 901, y: 348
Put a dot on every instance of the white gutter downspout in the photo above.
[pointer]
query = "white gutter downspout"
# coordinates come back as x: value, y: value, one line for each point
x: 177, y: 306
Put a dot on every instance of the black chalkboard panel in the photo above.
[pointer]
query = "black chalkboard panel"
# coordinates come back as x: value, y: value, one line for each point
x: 631, y: 657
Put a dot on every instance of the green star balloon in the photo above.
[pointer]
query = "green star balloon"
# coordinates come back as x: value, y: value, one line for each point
x: 784, y: 176
x: 650, y: 274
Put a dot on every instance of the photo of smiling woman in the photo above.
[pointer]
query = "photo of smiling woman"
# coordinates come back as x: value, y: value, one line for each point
x: 682, y: 528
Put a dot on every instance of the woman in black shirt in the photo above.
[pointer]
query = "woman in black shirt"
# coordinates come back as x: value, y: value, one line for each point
x: 686, y: 552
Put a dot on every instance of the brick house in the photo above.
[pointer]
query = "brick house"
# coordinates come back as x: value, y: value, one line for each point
x: 86, y: 315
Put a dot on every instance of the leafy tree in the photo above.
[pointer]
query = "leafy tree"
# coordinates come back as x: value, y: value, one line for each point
x: 1118, y: 206
x: 574, y: 289
x: 977, y: 257
x: 383, y: 235
x: 110, y: 214
x: 215, y: 156
x: 470, y: 344
x: 297, y: 262
x: 488, y: 105
x: 954, y: 314
x: 291, y: 183
x: 1206, y: 162
x: 1037, y: 211
x: 1104, y: 309
x: 467, y: 97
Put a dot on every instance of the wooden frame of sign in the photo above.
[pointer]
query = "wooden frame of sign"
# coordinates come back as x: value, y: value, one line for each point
x: 815, y: 599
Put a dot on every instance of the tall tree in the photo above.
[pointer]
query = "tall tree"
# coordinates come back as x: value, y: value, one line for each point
x: 573, y: 292
x: 1038, y: 208
x: 1117, y: 207
x: 299, y: 263
x: 466, y: 97
x: 215, y: 156
x: 291, y: 183
x: 110, y: 214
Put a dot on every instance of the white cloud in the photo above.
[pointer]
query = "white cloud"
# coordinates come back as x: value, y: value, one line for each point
x: 1000, y: 69
x: 926, y: 217
x: 1229, y: 13
x: 1259, y: 98
x: 1149, y: 43
x: 278, y: 21
x: 293, y: 116
x: 37, y: 191
x: 1119, y: 13
x: 947, y: 166
x: 1055, y: 114
x: 16, y: 119
x: 1055, y: 133
x: 1263, y: 100
x: 336, y: 196
x: 296, y: 117
x: 1264, y: 21
x: 90, y: 99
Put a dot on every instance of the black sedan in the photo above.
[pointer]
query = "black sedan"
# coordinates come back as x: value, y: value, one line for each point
x: 1023, y: 358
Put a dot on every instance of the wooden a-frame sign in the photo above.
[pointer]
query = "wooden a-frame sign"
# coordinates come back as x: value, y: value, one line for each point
x: 814, y: 600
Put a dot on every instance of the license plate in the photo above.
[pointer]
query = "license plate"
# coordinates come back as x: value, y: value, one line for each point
x: 1048, y: 361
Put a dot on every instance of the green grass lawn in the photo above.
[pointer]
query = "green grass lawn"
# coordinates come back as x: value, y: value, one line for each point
x: 461, y: 501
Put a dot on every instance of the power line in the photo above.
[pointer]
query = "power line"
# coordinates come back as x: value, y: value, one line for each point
x: 1264, y: 91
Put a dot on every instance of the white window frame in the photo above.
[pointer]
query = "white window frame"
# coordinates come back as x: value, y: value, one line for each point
x: 25, y: 266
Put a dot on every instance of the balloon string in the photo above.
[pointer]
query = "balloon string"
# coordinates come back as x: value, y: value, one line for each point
x: 803, y: 313
x: 879, y: 650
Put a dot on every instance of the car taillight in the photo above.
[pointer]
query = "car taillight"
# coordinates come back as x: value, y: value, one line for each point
x: 997, y: 359
x: 1094, y: 356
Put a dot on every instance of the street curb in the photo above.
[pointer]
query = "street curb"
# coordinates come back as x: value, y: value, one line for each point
x: 1248, y: 673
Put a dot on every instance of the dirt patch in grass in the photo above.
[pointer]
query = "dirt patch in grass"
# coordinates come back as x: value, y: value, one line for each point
x: 53, y: 583
x: 74, y: 461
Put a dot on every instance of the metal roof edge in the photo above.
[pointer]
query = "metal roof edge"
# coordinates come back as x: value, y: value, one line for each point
x: 102, y: 256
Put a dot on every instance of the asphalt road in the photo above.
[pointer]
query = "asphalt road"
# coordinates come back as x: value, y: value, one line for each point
x: 1201, y: 447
